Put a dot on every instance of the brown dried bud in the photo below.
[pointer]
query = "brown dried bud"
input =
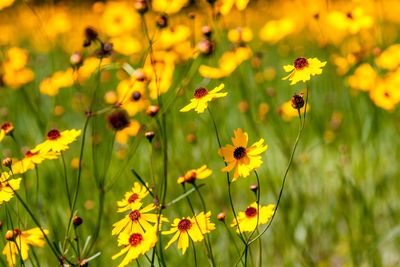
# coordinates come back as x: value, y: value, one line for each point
x: 162, y: 21
x: 297, y: 101
x: 141, y: 6
x: 221, y: 216
x: 119, y: 119
x: 7, y: 162
x: 77, y: 221
x: 149, y: 135
x: 7, y: 127
x: 152, y: 110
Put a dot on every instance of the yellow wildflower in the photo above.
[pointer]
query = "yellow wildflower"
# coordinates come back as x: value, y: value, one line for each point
x: 302, y: 69
x: 201, y: 98
x: 192, y: 175
x: 248, y: 219
x: 7, y: 187
x: 364, y: 78
x: 168, y: 6
x: 133, y: 199
x: 57, y: 141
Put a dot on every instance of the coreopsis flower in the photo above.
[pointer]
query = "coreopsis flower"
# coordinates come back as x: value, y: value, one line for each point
x: 60, y: 79
x: 240, y: 35
x: 126, y: 45
x: 23, y: 239
x: 133, y: 199
x: 364, y: 78
x: 31, y: 159
x: 135, y: 244
x: 201, y: 98
x: 6, y: 3
x: 302, y: 69
x: 192, y: 175
x: 389, y: 59
x: 240, y: 157
x: 15, y: 71
x: 138, y: 220
x: 248, y: 219
x: 131, y: 130
x: 119, y: 18
x: 275, y: 30
x: 227, y: 5
x: 194, y: 228
x: 57, y: 141
x: 168, y: 7
x: 7, y: 187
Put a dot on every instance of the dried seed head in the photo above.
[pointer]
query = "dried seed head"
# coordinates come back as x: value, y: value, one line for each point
x: 105, y: 50
x: 297, y: 101
x: 77, y: 221
x: 162, y: 21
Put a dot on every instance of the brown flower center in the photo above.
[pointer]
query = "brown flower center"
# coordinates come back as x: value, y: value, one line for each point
x: 251, y: 212
x: 239, y: 152
x: 349, y: 15
x: 136, y: 96
x: 7, y: 127
x: 134, y: 215
x: 53, y: 134
x: 300, y: 63
x: 133, y: 198
x: 200, y: 92
x: 135, y: 239
x: 184, y: 225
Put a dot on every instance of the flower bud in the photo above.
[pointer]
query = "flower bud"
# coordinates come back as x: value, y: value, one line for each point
x: 141, y: 6
x: 152, y: 110
x: 297, y: 101
x: 76, y: 59
x: 221, y: 216
x: 162, y: 21
x: 206, y: 47
x: 149, y: 135
x: 7, y: 162
x: 77, y: 221
x: 119, y: 119
x: 10, y: 235
x: 254, y: 188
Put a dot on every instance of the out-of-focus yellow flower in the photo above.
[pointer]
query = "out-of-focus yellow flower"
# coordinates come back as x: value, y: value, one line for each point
x: 390, y: 58
x: 168, y: 6
x: 119, y: 18
x: 240, y: 35
x: 364, y: 78
x: 288, y: 112
x: 343, y: 64
x: 57, y: 141
x: 201, y: 98
x: 132, y: 93
x: 194, y: 228
x: 7, y: 187
x: 172, y: 36
x: 16, y: 73
x: 275, y: 30
x: 227, y: 5
x: 23, y: 239
x: 240, y: 157
x: 227, y: 63
x: 133, y: 199
x: 126, y: 45
x: 192, y: 175
x: 60, y: 79
x: 248, y: 219
x: 386, y: 93
x: 31, y: 159
x: 351, y: 22
x: 5, y: 3
x: 302, y: 69
x: 135, y: 244
x: 132, y: 129
x: 58, y: 23
x: 89, y: 66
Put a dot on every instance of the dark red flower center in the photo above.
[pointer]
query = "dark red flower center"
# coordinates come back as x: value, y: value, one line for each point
x: 134, y: 215
x: 184, y: 225
x: 387, y: 95
x: 135, y: 239
x: 136, y: 95
x: 6, y: 126
x: 200, y: 92
x: 349, y: 15
x: 239, y: 152
x: 133, y: 198
x: 17, y: 232
x: 251, y: 212
x: 53, y: 134
x: 29, y: 154
x: 300, y: 63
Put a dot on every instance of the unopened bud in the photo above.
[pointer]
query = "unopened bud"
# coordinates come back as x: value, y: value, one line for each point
x: 221, y: 216
x: 297, y: 101
x: 152, y: 110
x: 7, y: 162
x: 162, y: 21
x: 77, y: 221
x: 141, y: 6
x: 149, y: 136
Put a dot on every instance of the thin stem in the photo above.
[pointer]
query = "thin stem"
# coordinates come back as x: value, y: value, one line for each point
x: 66, y: 180
x: 194, y: 252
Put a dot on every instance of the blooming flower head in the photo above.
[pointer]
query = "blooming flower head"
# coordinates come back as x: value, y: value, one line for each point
x: 133, y: 199
x: 240, y: 157
x: 57, y: 141
x: 138, y: 220
x: 201, y: 98
x: 6, y: 129
x: 302, y: 69
x: 192, y: 175
x: 19, y: 241
x: 134, y: 244
x: 193, y: 228
x: 31, y: 159
x: 7, y: 187
x: 248, y: 219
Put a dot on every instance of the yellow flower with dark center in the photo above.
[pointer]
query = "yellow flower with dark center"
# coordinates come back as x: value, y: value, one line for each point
x: 138, y: 220
x: 131, y: 130
x: 248, y: 219
x: 168, y: 6
x: 60, y: 79
x: 7, y: 187
x: 57, y: 141
x: 31, y: 159
x: 302, y: 69
x: 22, y: 239
x: 194, y: 228
x: 119, y: 18
x: 6, y: 129
x: 133, y: 199
x: 192, y: 175
x: 201, y: 98
x: 240, y: 157
x: 135, y: 244
x: 16, y: 73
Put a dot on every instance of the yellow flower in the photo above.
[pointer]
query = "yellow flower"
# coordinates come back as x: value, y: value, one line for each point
x: 31, y: 159
x: 390, y: 58
x: 385, y: 96
x: 201, y: 98
x: 22, y: 239
x: 138, y: 220
x: 132, y: 93
x: 126, y: 45
x: 132, y: 129
x: 302, y: 69
x: 364, y: 78
x: 192, y: 175
x: 248, y: 219
x: 135, y: 244
x: 6, y: 129
x: 57, y: 141
x: 133, y: 199
x: 60, y: 79
x: 5, y: 3
x: 7, y: 187
x: 89, y: 66
x: 15, y: 73
x: 227, y: 5
x: 119, y: 18
x: 287, y: 111
x: 194, y: 228
x: 168, y: 6
x: 275, y: 30
x: 240, y: 157
x: 240, y: 35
